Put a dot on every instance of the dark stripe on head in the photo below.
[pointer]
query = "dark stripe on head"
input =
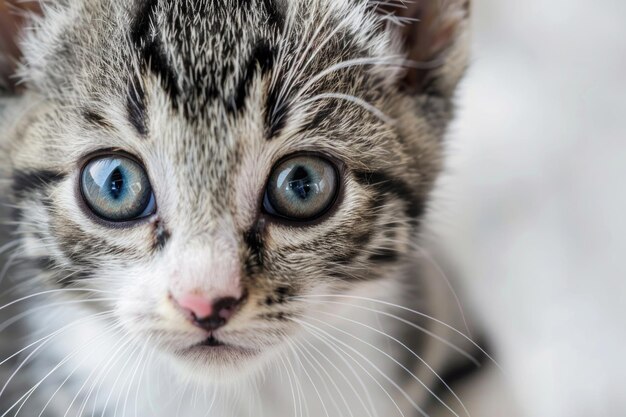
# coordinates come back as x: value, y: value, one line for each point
x: 274, y: 15
x: 25, y: 182
x: 262, y: 58
x: 385, y: 184
x: 151, y: 50
x: 276, y: 113
x: 143, y: 17
x: 154, y: 56
x: 320, y: 116
x: 136, y: 106
x: 96, y: 119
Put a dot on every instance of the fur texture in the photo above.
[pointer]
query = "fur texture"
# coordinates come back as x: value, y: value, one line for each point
x: 209, y: 96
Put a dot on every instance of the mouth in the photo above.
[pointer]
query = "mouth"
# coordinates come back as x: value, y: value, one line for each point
x: 214, y: 346
x: 211, y: 342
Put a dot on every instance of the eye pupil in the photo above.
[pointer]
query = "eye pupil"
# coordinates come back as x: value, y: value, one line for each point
x: 301, y: 188
x: 300, y: 183
x: 117, y: 183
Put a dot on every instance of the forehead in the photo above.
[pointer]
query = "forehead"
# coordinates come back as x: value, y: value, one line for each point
x: 194, y: 93
x: 212, y: 93
x: 205, y: 54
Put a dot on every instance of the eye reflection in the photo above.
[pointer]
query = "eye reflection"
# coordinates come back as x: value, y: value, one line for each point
x: 117, y: 189
x: 301, y: 188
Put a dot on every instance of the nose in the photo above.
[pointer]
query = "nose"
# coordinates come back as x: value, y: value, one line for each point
x: 206, y: 314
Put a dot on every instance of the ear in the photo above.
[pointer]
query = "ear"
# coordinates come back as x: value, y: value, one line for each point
x: 436, y: 39
x: 13, y: 16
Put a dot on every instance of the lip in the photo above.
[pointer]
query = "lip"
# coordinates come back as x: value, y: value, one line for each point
x: 214, y: 346
x: 211, y: 342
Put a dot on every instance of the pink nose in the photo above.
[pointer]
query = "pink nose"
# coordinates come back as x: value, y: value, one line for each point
x: 206, y: 314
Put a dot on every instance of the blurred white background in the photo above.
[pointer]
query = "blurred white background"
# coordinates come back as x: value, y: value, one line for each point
x: 534, y: 202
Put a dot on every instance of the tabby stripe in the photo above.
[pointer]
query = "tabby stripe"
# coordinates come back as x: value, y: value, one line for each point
x: 136, y: 106
x: 159, y: 65
x: 140, y: 28
x: 274, y: 15
x: 97, y: 119
x: 384, y: 255
x: 275, y: 117
x: 152, y: 51
x: 161, y: 236
x: 262, y: 58
x: 385, y: 184
x: 254, y: 240
x: 59, y: 275
x: 25, y: 182
x: 320, y: 116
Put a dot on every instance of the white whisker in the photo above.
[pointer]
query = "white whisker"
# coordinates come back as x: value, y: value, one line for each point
x: 408, y: 322
x: 315, y: 330
x: 352, y: 99
x: 112, y: 327
x: 368, y: 408
x: 407, y: 349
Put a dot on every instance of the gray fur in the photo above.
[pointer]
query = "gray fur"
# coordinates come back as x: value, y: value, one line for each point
x: 209, y: 96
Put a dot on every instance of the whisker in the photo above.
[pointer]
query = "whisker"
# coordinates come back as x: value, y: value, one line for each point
x: 28, y: 297
x: 140, y: 382
x: 328, y: 338
x: 301, y: 398
x: 7, y: 323
x: 408, y: 322
x: 390, y: 61
x: 407, y: 349
x: 367, y: 408
x: 352, y: 99
x: 407, y: 370
x: 293, y: 393
x: 132, y: 379
x: 119, y: 375
x: 54, y: 334
x: 103, y: 373
x: 294, y: 68
x: 302, y: 365
x: 118, y: 346
x: 30, y: 391
x: 307, y: 352
x: 112, y: 327
x: 402, y: 320
x: 440, y: 271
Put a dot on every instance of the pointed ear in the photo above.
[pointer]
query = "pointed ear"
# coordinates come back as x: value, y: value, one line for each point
x: 12, y: 18
x: 435, y: 36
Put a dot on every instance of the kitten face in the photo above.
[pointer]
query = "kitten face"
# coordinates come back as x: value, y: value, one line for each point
x: 209, y: 102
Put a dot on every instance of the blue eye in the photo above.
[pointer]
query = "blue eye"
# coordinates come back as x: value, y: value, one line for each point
x: 117, y: 189
x: 301, y: 188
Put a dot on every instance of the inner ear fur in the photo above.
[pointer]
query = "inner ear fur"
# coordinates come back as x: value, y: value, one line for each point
x: 435, y: 36
x: 13, y: 16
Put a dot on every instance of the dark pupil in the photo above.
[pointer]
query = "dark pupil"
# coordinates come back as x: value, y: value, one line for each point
x: 300, y: 183
x: 117, y: 183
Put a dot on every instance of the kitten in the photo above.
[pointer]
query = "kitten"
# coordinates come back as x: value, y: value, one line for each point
x: 219, y: 206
